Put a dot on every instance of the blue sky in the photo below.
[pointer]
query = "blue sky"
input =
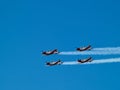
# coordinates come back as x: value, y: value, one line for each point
x: 31, y: 26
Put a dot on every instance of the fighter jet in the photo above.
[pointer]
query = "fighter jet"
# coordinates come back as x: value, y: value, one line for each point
x: 50, y: 52
x: 54, y: 63
x: 84, y: 48
x: 85, y: 60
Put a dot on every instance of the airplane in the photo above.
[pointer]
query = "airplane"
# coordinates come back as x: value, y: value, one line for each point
x: 85, y: 60
x: 84, y: 48
x: 55, y: 51
x: 54, y: 63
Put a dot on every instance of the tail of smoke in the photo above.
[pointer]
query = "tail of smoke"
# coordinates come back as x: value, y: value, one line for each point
x: 100, y: 61
x: 95, y: 51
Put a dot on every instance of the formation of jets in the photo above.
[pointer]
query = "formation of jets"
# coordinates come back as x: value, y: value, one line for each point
x: 59, y: 62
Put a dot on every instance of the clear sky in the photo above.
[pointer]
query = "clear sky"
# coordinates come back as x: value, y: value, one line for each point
x: 28, y: 27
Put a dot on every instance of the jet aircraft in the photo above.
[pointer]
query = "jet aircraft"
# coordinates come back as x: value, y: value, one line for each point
x: 55, y: 51
x: 54, y: 63
x: 84, y: 48
x: 85, y: 60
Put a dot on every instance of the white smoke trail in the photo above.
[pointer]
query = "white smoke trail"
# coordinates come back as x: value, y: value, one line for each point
x: 91, y: 53
x: 95, y: 51
x: 108, y: 49
x: 100, y: 61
